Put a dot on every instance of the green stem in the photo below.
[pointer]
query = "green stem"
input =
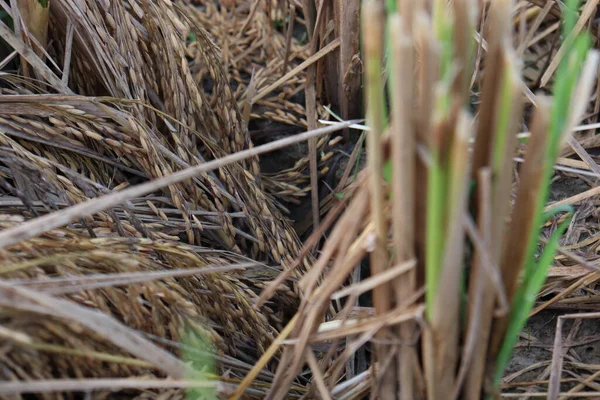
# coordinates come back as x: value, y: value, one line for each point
x: 435, y: 228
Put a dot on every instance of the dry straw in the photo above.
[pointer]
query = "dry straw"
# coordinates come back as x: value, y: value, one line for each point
x: 137, y: 231
x: 126, y: 93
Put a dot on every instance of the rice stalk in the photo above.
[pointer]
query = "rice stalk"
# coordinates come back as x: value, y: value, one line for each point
x: 464, y: 228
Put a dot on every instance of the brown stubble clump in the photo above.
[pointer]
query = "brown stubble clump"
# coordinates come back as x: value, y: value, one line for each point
x: 139, y: 113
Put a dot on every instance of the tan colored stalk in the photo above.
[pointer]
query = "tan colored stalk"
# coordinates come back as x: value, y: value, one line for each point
x: 407, y: 9
x: 373, y: 34
x: 35, y: 17
x: 426, y: 62
x: 289, y: 31
x: 498, y: 27
x: 446, y: 310
x: 515, y: 246
x: 310, y: 16
x: 427, y: 67
x: 478, y: 286
x: 347, y: 20
x: 503, y: 176
x: 403, y: 194
x: 465, y: 13
x: 311, y: 118
x: 501, y: 187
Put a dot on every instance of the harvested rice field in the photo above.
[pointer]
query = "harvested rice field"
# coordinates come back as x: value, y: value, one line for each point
x: 299, y: 199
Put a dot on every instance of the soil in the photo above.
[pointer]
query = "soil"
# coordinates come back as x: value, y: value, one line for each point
x: 537, y: 339
x: 537, y: 342
x: 566, y: 187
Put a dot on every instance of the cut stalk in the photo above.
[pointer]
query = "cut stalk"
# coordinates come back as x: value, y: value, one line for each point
x: 427, y: 60
x: 347, y: 20
x: 402, y: 179
x: 373, y: 39
x: 465, y: 12
x: 509, y: 109
x: 429, y: 207
x: 523, y: 221
x: 447, y: 303
x: 498, y: 28
x: 476, y: 337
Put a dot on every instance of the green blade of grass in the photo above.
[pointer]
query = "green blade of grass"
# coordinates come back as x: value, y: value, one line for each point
x: 437, y: 186
x: 503, y: 121
x: 391, y: 6
x: 201, y: 361
x: 568, y: 75
x: 533, y: 272
x: 570, y: 16
x: 435, y: 232
x: 527, y: 294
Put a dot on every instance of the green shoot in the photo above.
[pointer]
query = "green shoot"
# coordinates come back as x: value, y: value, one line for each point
x: 570, y: 16
x: 502, y: 123
x: 435, y: 231
x: 527, y: 294
x: 391, y: 6
x: 534, y: 273
x: 197, y: 352
x: 444, y: 32
x: 439, y: 169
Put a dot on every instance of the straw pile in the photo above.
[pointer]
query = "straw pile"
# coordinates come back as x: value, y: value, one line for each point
x: 127, y: 92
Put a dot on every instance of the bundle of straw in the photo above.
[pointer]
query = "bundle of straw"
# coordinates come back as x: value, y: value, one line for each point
x: 106, y: 95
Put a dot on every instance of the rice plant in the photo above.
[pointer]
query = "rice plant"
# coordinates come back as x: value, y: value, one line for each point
x: 442, y: 224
